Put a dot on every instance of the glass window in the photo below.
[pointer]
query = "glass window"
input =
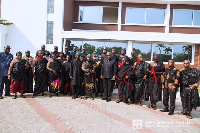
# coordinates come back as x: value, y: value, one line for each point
x: 144, y: 49
x: 196, y: 20
x: 155, y: 16
x: 182, y: 52
x: 77, y: 44
x: 49, y: 34
x: 117, y: 45
x: 182, y: 17
x: 163, y: 50
x: 91, y: 46
x: 92, y: 14
x: 50, y: 6
x: 110, y: 15
x: 135, y: 15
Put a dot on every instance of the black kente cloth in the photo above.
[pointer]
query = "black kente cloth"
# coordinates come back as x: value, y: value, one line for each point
x: 155, y: 88
x: 76, y: 72
x: 125, y: 86
x: 56, y: 66
x: 188, y: 77
x: 18, y: 72
x: 65, y: 78
x: 29, y: 80
x: 140, y: 71
x: 41, y: 76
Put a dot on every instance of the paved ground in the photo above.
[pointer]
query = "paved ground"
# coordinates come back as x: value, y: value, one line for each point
x: 62, y: 114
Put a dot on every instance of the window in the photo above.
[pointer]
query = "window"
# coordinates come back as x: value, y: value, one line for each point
x: 186, y: 17
x: 145, y: 16
x: 50, y: 6
x: 97, y: 14
x: 144, y: 49
x: 196, y: 17
x: 49, y: 36
x: 117, y: 45
x: 163, y: 50
x: 182, y: 52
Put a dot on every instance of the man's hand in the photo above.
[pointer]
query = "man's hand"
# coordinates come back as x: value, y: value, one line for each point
x: 192, y: 86
x: 101, y: 76
x: 113, y: 78
x: 145, y: 77
x: 71, y: 77
x: 9, y: 77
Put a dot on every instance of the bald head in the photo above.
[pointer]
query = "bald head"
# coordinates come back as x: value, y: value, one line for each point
x: 186, y: 63
x: 108, y: 55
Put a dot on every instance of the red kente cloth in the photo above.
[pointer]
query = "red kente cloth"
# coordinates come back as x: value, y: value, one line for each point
x: 137, y: 62
x: 17, y: 86
x: 120, y: 64
x: 38, y: 58
x: 153, y: 73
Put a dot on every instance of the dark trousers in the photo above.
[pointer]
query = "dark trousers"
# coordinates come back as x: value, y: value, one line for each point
x: 185, y: 98
x: 75, y: 90
x: 108, y: 85
x: 7, y: 82
x: 168, y: 94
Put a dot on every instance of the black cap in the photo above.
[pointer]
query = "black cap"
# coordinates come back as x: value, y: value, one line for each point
x: 7, y: 47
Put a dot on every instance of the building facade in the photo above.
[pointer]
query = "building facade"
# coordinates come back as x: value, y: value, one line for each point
x: 168, y: 28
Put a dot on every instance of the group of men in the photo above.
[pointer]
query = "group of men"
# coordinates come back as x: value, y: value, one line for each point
x: 84, y: 75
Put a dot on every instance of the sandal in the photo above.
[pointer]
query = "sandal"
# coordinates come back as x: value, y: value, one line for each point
x: 85, y: 98
x: 91, y: 98
x: 189, y: 116
x: 118, y: 101
x: 15, y: 97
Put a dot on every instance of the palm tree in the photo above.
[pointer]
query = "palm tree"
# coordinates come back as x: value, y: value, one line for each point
x: 187, y: 49
x: 167, y: 50
x: 160, y: 47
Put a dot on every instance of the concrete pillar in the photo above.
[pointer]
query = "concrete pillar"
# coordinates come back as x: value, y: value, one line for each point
x: 167, y: 18
x: 129, y: 48
x: 119, y: 16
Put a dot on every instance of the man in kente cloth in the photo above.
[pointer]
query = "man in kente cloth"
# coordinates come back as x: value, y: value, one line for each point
x: 141, y: 71
x: 88, y: 69
x: 42, y: 49
x: 16, y: 74
x: 108, y: 73
x: 170, y: 87
x: 155, y: 85
x: 54, y: 74
x: 29, y: 75
x: 125, y: 85
x: 76, y: 76
x: 189, y: 77
x: 66, y: 81
x: 40, y: 74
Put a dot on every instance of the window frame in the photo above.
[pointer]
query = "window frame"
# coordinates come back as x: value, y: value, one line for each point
x: 185, y: 25
x: 172, y: 56
x: 145, y: 17
x: 101, y: 15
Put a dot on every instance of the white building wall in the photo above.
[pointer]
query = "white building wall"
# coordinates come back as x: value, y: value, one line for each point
x: 57, y: 17
x: 3, y: 34
x: 29, y: 18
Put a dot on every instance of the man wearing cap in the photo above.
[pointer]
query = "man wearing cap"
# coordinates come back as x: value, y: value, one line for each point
x: 5, y: 58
